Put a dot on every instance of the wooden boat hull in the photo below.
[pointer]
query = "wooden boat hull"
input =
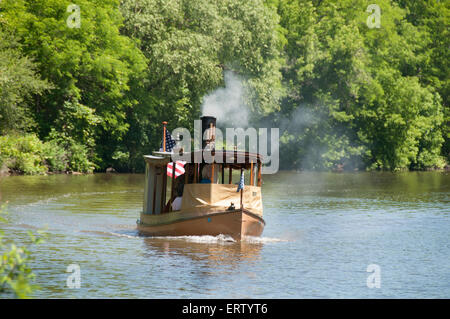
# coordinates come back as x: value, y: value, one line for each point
x: 236, y: 224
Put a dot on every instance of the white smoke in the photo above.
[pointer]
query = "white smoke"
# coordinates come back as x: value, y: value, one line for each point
x: 227, y: 103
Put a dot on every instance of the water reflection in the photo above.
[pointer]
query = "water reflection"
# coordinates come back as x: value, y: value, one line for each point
x: 214, y: 250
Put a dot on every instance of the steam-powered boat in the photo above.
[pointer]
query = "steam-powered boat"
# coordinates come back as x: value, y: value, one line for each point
x: 202, y: 198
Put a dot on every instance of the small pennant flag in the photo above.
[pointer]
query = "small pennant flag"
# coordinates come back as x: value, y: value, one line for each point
x: 179, y: 168
x: 170, y: 143
x: 241, y: 182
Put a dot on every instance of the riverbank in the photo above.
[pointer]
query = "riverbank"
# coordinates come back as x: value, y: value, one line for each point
x: 15, y: 173
x: 4, y: 171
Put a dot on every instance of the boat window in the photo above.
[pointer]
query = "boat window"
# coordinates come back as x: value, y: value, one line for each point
x: 222, y: 173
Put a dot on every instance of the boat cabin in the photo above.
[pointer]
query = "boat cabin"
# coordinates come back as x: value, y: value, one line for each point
x: 203, y: 187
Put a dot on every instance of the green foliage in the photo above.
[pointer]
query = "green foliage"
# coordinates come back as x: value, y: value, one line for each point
x: 16, y: 276
x: 27, y: 154
x: 361, y: 87
x: 432, y: 19
x: 22, y: 154
x: 64, y: 154
x: 55, y: 156
x: 188, y: 45
x: 341, y: 93
x: 18, y: 82
x: 70, y: 146
x: 91, y: 66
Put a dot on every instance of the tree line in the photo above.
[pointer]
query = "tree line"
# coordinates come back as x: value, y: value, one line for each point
x: 85, y: 84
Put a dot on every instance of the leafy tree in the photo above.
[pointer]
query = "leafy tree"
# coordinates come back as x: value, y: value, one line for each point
x: 343, y: 94
x: 432, y: 18
x: 90, y: 66
x: 188, y: 45
x: 359, y: 87
x: 19, y: 81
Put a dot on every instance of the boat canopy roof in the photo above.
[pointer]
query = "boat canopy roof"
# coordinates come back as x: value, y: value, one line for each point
x: 235, y: 159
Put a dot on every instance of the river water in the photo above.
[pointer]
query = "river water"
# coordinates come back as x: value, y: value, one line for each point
x: 323, y: 231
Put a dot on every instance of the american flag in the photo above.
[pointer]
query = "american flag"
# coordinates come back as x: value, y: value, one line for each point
x: 241, y: 182
x: 170, y: 143
x: 179, y: 168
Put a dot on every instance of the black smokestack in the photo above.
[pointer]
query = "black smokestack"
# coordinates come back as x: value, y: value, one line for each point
x: 209, y: 125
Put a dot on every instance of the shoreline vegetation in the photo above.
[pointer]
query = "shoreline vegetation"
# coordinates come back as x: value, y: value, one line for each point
x: 5, y: 171
x: 86, y: 91
x: 16, y: 275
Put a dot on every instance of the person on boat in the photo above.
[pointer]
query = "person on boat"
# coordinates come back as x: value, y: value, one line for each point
x: 176, y: 203
x: 206, y: 174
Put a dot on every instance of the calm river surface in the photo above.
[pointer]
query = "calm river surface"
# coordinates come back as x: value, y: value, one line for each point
x: 322, y: 232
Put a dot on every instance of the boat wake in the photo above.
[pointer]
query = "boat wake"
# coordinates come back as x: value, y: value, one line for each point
x: 262, y: 240
x: 128, y: 234
x: 219, y: 239
x: 123, y: 235
x: 207, y: 239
